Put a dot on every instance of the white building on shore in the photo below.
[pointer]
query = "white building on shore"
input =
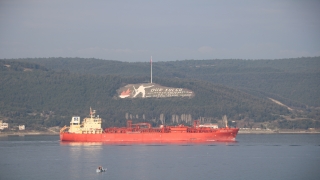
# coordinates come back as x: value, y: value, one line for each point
x: 22, y: 127
x: 3, y: 125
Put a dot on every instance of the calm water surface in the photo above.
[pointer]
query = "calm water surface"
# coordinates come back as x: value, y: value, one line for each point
x: 275, y: 156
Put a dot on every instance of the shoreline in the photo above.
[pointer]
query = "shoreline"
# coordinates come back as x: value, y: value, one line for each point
x: 277, y: 132
x: 28, y: 134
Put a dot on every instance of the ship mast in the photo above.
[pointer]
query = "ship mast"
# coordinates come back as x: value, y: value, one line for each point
x: 92, y: 113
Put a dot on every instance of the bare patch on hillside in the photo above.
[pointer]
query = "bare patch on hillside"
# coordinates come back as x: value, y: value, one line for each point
x: 278, y: 102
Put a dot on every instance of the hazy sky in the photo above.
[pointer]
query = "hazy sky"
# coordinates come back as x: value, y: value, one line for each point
x: 133, y: 30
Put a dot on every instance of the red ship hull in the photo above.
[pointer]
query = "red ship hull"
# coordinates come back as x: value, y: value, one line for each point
x: 222, y: 134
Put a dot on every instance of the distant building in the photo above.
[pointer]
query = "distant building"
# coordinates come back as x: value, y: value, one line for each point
x: 22, y: 127
x: 3, y: 125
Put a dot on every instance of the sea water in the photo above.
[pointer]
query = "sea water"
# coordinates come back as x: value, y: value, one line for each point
x: 252, y: 156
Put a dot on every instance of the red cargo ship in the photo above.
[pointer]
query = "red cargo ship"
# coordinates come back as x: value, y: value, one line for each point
x: 90, y: 131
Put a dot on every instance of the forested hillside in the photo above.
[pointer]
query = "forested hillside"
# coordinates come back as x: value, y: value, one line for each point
x: 295, y: 82
x: 49, y: 98
x: 41, y: 95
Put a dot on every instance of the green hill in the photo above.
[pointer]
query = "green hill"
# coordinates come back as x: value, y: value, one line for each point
x: 44, y: 97
x: 295, y: 82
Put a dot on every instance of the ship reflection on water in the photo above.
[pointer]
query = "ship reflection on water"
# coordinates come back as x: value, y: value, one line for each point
x: 211, y: 143
x: 63, y: 143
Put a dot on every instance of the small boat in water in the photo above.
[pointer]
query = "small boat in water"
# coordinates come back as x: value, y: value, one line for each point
x: 100, y: 169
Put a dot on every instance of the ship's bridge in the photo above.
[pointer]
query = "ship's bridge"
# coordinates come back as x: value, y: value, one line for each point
x: 75, y: 120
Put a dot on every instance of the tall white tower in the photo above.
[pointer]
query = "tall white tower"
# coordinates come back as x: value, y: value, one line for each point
x: 151, y: 68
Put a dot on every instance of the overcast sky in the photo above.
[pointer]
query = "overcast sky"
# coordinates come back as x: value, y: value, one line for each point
x: 133, y: 30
